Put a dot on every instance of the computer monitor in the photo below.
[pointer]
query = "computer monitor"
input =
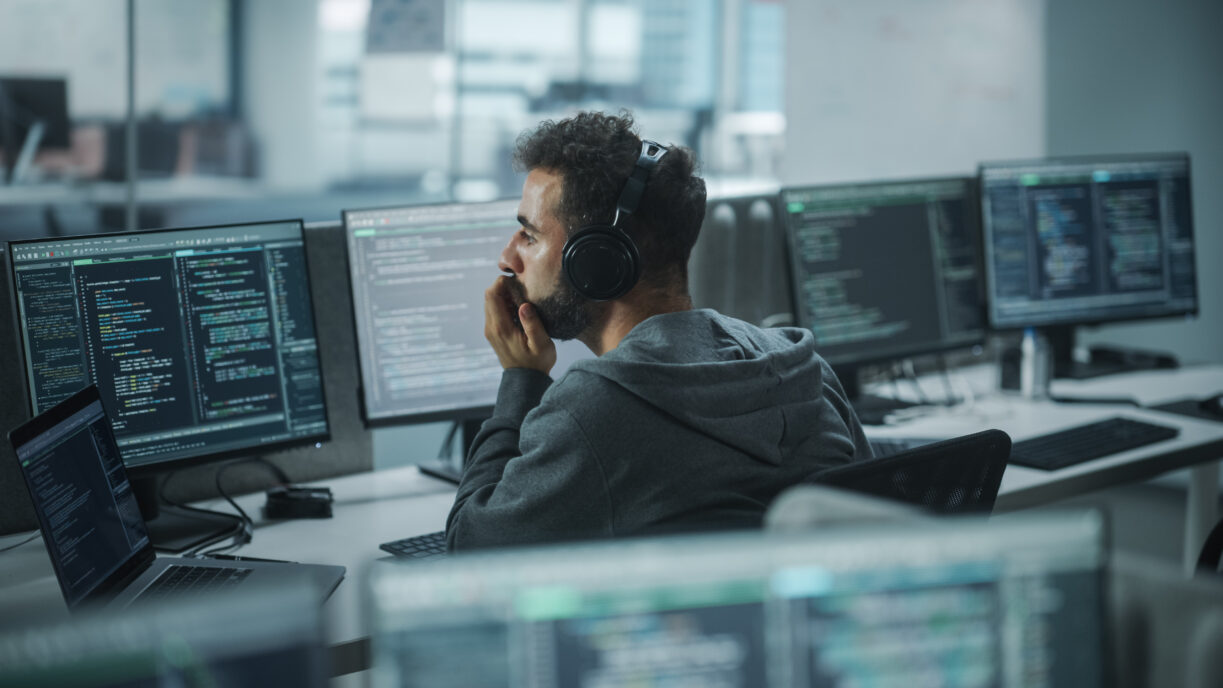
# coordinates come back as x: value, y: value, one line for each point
x: 1014, y: 601
x: 32, y: 105
x: 1080, y: 241
x: 418, y: 276
x: 886, y: 270
x: 251, y: 635
x: 201, y: 340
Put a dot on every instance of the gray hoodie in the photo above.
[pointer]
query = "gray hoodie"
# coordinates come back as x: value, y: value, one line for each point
x: 695, y: 421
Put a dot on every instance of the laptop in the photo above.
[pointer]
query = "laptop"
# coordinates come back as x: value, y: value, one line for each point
x: 91, y: 524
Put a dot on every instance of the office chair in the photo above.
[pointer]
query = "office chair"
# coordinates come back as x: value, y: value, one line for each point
x: 955, y: 476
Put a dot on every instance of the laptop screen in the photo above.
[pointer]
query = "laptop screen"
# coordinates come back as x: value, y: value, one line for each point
x: 90, y: 520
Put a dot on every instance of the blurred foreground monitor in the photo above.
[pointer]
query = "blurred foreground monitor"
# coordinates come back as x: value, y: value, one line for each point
x: 1008, y: 602
x: 258, y: 636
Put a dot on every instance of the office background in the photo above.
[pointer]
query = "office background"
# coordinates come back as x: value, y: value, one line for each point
x: 260, y: 109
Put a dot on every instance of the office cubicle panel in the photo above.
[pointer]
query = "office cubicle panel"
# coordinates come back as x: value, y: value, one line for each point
x: 739, y: 266
x: 16, y: 511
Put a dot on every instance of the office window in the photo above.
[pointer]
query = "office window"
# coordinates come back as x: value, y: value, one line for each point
x: 431, y: 94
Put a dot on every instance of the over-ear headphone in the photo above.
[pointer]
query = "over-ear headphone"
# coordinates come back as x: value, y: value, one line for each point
x: 601, y: 261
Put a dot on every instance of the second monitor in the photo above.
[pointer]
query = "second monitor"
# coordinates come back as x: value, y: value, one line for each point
x: 1088, y: 240
x: 885, y: 270
x: 418, y: 277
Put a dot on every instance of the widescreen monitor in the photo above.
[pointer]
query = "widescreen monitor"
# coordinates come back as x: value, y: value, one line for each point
x: 418, y: 276
x: 1015, y: 601
x: 1088, y: 240
x: 201, y: 340
x: 886, y: 270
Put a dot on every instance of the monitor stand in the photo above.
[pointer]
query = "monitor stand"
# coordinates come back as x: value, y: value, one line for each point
x: 174, y: 528
x: 451, y: 470
x: 1105, y: 360
x: 871, y: 410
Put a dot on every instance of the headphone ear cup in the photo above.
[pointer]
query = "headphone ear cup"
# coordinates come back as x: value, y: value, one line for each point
x: 601, y: 262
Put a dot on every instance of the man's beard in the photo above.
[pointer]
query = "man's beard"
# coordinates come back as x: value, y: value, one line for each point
x: 564, y: 313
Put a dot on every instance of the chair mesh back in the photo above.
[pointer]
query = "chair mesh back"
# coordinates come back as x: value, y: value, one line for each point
x: 960, y: 475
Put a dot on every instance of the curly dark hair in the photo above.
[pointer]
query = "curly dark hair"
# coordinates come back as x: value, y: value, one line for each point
x: 595, y: 153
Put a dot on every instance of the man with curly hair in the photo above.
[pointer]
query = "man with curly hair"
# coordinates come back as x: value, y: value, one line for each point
x: 687, y: 419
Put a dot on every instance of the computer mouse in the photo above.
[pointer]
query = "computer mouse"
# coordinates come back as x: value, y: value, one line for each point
x: 1212, y: 405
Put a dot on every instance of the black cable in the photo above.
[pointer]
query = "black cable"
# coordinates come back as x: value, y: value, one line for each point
x: 277, y: 470
x: 911, y: 375
x: 161, y: 495
x: 32, y: 538
x: 244, y: 531
x: 952, y: 399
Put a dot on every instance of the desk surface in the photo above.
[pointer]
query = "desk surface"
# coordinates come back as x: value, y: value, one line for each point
x: 1199, y: 440
x: 372, y: 508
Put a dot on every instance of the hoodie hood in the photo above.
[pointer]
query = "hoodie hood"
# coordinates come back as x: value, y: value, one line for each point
x: 758, y: 391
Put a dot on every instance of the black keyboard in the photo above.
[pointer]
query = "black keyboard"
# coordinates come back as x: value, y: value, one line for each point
x: 1086, y: 442
x: 425, y: 546
x: 180, y: 580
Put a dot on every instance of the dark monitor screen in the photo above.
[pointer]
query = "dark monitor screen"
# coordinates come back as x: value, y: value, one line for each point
x: 418, y: 279
x: 200, y: 340
x: 886, y: 270
x: 24, y: 101
x: 1088, y: 240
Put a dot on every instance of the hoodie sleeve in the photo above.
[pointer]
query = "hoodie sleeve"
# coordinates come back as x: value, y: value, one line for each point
x: 531, y: 474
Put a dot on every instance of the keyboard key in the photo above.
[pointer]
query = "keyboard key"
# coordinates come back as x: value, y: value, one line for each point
x: 181, y: 580
x: 425, y: 546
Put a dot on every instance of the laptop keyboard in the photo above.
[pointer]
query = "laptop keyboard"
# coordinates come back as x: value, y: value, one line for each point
x: 1086, y: 442
x: 425, y: 546
x: 181, y: 580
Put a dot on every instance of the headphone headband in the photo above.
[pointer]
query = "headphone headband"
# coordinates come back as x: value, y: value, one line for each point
x: 634, y: 187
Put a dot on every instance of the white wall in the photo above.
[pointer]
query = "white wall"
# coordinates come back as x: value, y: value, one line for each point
x: 1133, y: 75
x: 895, y: 88
x: 280, y: 41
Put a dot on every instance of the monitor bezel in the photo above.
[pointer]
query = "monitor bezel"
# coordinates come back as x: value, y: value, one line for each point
x: 154, y: 467
x: 1076, y: 320
x: 850, y: 360
x: 455, y: 414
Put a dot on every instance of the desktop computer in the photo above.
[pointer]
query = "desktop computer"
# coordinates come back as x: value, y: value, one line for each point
x: 201, y: 341
x: 1013, y: 601
x: 418, y: 275
x: 883, y: 271
x: 1081, y: 241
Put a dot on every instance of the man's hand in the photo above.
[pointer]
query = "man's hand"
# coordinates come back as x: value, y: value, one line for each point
x: 528, y: 346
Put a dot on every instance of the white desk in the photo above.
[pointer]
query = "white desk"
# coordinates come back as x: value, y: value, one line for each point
x: 1198, y: 447
x: 372, y: 508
